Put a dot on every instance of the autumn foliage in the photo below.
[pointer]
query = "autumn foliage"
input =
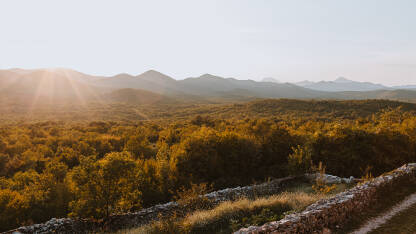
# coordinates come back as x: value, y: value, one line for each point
x: 95, y: 169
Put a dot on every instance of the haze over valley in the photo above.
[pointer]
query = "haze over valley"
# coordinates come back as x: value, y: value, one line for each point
x: 153, y: 86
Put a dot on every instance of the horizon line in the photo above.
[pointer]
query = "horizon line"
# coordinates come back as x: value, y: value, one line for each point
x: 202, y: 74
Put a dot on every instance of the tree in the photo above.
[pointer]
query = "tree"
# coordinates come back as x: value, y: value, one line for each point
x: 4, y: 159
x: 12, y: 209
x: 105, y: 186
x: 138, y: 146
x: 300, y: 161
x: 49, y: 194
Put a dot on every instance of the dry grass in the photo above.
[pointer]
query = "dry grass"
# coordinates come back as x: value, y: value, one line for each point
x: 220, y: 218
x: 291, y: 201
x: 230, y: 216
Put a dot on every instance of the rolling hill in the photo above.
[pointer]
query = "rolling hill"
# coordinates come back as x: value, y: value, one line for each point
x: 56, y: 84
x: 150, y: 80
x: 341, y: 84
x: 137, y: 96
x: 46, y: 83
x: 270, y: 79
x: 399, y: 94
x: 210, y: 85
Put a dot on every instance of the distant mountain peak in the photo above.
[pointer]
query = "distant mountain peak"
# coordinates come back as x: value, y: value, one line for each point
x: 122, y: 75
x: 156, y: 77
x: 341, y: 84
x: 152, y: 72
x: 206, y: 75
x: 153, y: 75
x: 342, y: 80
x: 304, y: 83
x: 270, y: 79
x: 210, y: 76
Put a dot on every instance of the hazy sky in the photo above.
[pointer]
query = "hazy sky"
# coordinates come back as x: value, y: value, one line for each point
x: 292, y: 40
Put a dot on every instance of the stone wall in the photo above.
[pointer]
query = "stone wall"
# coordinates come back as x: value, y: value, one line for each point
x: 315, y: 217
x: 327, y: 214
x: 144, y: 216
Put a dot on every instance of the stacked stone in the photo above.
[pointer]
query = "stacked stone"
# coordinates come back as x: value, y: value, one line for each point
x: 330, y: 213
x: 145, y: 216
x: 322, y: 214
x: 330, y: 179
x: 250, y: 191
x: 64, y: 225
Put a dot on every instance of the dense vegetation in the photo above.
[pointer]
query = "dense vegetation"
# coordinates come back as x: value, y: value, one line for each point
x: 95, y: 168
x: 231, y: 216
x: 26, y: 110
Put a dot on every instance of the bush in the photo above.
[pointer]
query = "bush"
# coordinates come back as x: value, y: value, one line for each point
x: 300, y: 161
x: 192, y: 199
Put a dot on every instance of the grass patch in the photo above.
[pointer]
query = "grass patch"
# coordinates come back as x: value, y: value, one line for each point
x: 230, y: 216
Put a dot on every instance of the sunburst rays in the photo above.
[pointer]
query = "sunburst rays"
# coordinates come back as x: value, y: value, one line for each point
x: 53, y: 89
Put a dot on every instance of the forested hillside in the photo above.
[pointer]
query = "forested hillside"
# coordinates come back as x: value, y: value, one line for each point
x: 133, y: 105
x: 93, y: 168
x: 55, y: 85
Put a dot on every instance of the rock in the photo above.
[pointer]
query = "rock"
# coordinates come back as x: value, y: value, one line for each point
x: 332, y: 212
x: 316, y: 218
x: 147, y: 215
x: 330, y: 179
x: 326, y: 231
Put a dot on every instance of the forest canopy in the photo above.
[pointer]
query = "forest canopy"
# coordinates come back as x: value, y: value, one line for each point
x: 94, y: 168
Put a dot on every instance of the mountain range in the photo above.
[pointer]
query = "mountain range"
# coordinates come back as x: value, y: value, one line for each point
x: 341, y: 84
x: 153, y: 86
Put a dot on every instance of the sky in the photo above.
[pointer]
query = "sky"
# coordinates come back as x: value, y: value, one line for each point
x: 292, y: 40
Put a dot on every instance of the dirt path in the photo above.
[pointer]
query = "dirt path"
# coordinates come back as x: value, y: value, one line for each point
x: 383, y: 218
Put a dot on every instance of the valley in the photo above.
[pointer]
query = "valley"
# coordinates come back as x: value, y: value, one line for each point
x: 68, y: 139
